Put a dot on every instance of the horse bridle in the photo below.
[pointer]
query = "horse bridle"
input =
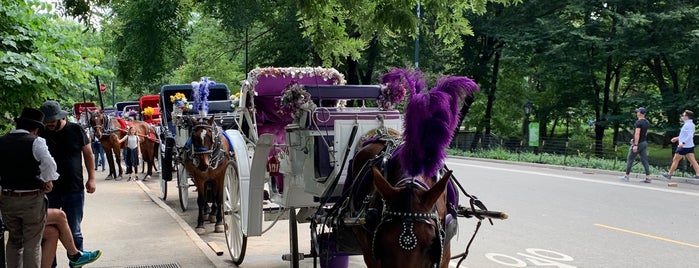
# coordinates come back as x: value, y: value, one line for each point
x: 215, y: 152
x: 407, y: 239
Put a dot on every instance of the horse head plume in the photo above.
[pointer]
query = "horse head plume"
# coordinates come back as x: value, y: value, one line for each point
x: 430, y: 118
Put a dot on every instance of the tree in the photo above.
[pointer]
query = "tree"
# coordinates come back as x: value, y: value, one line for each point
x: 42, y: 57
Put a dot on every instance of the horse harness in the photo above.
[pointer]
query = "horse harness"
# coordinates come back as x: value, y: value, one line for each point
x: 216, y: 152
x: 407, y: 239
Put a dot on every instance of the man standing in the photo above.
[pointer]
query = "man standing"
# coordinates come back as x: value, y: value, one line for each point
x: 26, y: 173
x: 639, y: 145
x: 685, y: 145
x: 69, y: 146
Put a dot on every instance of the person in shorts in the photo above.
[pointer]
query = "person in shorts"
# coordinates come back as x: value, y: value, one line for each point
x: 685, y: 146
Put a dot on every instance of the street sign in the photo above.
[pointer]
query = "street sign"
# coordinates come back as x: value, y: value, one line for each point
x: 103, y: 87
x: 534, y: 134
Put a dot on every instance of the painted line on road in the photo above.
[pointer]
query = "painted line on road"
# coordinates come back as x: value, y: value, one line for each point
x: 647, y: 235
x: 625, y: 184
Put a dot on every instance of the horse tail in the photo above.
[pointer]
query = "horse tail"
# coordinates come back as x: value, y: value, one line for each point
x: 430, y: 120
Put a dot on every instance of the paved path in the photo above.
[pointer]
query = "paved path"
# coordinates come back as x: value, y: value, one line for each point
x: 133, y: 230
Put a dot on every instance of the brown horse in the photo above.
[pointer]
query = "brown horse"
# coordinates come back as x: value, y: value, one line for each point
x: 109, y: 131
x: 408, y: 220
x: 205, y: 158
x: 404, y: 225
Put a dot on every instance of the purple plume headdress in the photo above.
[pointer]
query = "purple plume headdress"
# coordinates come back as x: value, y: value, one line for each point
x: 200, y: 94
x: 430, y: 119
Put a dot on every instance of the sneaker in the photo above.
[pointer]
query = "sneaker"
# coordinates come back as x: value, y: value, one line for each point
x: 667, y: 176
x: 624, y: 178
x: 647, y: 180
x: 86, y: 258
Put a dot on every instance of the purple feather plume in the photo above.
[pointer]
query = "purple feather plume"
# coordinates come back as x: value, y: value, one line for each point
x: 412, y: 80
x: 430, y: 120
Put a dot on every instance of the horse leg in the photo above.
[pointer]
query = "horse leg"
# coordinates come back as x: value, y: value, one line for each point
x: 201, y: 202
x: 218, y: 227
x: 110, y: 161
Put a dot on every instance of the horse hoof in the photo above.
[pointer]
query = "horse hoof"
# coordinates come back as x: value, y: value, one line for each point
x: 200, y: 230
x: 212, y: 218
x: 218, y: 228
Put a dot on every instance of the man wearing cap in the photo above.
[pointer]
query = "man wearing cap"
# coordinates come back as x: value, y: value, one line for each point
x: 69, y: 146
x: 685, y: 145
x: 639, y: 145
x: 25, y: 175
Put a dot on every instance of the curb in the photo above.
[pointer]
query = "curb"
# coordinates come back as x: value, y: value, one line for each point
x: 215, y: 260
x: 581, y: 169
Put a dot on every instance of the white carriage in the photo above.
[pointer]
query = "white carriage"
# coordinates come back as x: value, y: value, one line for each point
x: 302, y: 161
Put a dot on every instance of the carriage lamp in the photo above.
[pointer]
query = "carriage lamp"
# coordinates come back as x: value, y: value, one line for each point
x: 273, y: 166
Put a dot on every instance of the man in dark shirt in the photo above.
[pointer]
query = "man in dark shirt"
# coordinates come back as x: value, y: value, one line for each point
x: 26, y: 173
x: 69, y: 146
x: 639, y: 145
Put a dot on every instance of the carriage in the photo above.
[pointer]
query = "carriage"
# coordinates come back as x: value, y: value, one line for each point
x: 123, y: 107
x: 80, y: 109
x: 294, y: 138
x: 175, y: 132
x: 150, y: 103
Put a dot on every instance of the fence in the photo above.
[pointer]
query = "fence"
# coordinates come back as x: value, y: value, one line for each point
x: 577, y: 150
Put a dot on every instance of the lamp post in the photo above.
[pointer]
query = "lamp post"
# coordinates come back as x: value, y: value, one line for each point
x: 528, y: 107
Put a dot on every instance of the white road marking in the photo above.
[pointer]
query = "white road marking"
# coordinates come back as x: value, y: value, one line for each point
x: 625, y: 184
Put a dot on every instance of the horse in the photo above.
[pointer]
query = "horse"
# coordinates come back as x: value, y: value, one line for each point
x: 110, y: 131
x: 399, y: 184
x: 205, y: 156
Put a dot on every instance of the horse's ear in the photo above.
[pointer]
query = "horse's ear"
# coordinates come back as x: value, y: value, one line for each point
x: 437, y: 190
x: 387, y: 191
x: 211, y: 121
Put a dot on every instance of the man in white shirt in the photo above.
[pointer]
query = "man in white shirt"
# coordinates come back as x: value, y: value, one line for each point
x: 685, y: 146
x: 26, y: 174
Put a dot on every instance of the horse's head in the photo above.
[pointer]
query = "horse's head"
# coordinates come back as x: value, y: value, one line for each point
x: 205, y: 142
x: 97, y: 121
x: 410, y: 233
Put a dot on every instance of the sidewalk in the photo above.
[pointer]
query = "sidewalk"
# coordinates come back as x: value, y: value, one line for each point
x: 132, y: 229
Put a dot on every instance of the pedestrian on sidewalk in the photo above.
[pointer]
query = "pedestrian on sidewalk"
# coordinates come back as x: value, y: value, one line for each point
x: 639, y: 145
x: 98, y: 151
x: 70, y: 147
x: 133, y: 152
x: 685, y: 146
x: 57, y: 229
x: 27, y: 172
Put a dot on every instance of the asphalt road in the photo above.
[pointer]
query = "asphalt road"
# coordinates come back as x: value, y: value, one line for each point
x: 558, y: 218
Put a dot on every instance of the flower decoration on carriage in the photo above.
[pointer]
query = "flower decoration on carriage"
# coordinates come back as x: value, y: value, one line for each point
x: 235, y: 100
x: 295, y: 100
x: 148, y: 111
x: 200, y: 95
x: 394, y: 85
x: 179, y: 100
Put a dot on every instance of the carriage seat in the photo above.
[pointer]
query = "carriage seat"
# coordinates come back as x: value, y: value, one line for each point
x: 323, y: 118
x: 220, y: 106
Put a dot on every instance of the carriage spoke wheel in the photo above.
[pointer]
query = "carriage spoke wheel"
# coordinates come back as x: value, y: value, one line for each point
x: 236, y: 239
x: 183, y: 186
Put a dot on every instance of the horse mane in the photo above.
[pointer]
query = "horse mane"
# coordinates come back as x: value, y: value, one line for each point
x: 430, y: 120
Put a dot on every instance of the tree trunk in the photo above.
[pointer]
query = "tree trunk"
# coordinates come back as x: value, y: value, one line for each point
x: 491, y: 98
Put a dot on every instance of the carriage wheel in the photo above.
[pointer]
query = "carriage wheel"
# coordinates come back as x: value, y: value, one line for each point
x: 183, y: 185
x: 236, y: 239
x: 163, y: 189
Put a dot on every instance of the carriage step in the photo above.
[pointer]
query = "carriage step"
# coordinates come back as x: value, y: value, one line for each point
x: 287, y: 257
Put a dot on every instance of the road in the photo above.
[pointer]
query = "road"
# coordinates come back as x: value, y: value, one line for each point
x: 558, y: 218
